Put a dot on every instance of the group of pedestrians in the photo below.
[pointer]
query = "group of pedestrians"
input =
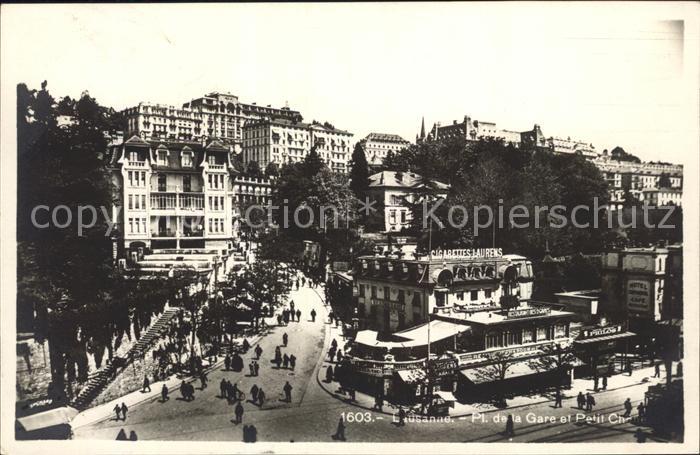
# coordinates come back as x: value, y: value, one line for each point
x: 284, y: 360
x: 585, y: 401
x: 187, y: 391
x: 289, y: 314
x: 229, y: 390
x: 335, y: 354
x: 233, y: 362
x: 257, y: 395
x: 120, y: 411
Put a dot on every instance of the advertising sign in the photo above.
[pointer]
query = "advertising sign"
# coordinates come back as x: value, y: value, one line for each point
x: 528, y: 312
x: 638, y: 295
x: 601, y: 331
x: 468, y: 253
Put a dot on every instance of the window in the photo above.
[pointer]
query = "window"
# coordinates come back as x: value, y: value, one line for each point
x: 186, y: 159
x: 474, y: 295
x: 560, y: 330
x: 162, y: 158
x: 386, y: 293
x: 403, y: 217
x: 541, y: 333
x: 211, y: 159
x: 162, y: 182
x: 460, y: 296
x: 392, y: 216
x: 131, y: 202
x: 187, y: 183
x: 493, y: 340
x: 374, y: 292
x: 487, y: 293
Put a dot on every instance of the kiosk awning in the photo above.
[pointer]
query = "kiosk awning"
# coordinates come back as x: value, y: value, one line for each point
x: 615, y: 336
x: 47, y: 419
x: 411, y: 376
x: 486, y: 374
x: 447, y: 396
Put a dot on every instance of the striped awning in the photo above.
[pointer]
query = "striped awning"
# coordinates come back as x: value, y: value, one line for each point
x: 615, y: 336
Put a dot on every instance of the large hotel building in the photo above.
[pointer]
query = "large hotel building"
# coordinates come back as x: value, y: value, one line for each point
x: 283, y: 141
x: 215, y: 115
x: 377, y: 145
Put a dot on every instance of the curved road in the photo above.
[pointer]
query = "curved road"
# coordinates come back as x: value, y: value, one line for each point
x: 313, y: 414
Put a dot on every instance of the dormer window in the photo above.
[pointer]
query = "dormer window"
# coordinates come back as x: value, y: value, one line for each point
x: 162, y: 158
x: 211, y: 159
x: 186, y: 159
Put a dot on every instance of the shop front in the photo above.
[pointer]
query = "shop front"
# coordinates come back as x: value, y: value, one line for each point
x: 598, y: 347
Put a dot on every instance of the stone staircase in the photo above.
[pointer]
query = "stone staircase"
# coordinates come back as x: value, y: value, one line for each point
x: 99, y: 379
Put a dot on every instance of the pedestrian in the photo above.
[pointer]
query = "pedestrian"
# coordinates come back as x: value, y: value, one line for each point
x: 258, y: 351
x: 164, y: 393
x: 287, y: 392
x: 590, y: 402
x: 246, y: 345
x: 334, y: 344
x: 124, y: 409
x: 118, y: 411
x: 278, y: 361
x: 292, y: 361
x: 285, y: 361
x: 251, y: 367
x: 246, y: 433
x: 279, y: 319
x: 340, y: 431
x: 605, y: 382
x: 629, y: 368
x: 239, y: 413
x: 121, y: 436
x: 298, y: 315
x: 641, y: 410
x: 595, y: 384
x: 227, y: 362
x: 222, y: 388
x: 203, y: 380
x: 378, y: 402
x: 132, y: 436
x: 285, y: 338
x: 190, y: 391
x: 313, y: 315
x: 331, y: 353
x: 640, y: 435
x: 657, y: 370
x: 628, y: 408
x: 261, y: 397
x: 257, y: 368
x: 254, y: 393
x: 146, y: 384
x: 291, y: 305
x: 510, y: 429
x: 402, y: 417
x: 329, y: 374
x: 581, y: 400
x: 352, y: 395
x: 235, y: 392
x: 339, y: 356
x: 557, y: 399
x: 252, y: 433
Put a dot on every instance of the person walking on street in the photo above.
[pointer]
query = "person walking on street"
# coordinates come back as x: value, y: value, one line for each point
x: 118, y: 411
x: 605, y: 382
x: 222, y: 388
x: 352, y: 395
x: 146, y: 384
x: 379, y: 402
x: 292, y: 361
x: 203, y: 381
x: 251, y: 367
x: 287, y: 392
x: 590, y: 402
x: 629, y: 368
x: 334, y: 344
x: 331, y: 353
x: 279, y: 319
x: 402, y: 417
x: 339, y: 355
x: 246, y: 345
x: 580, y: 400
x: 313, y: 315
x: 641, y: 411
x: 285, y: 338
x: 628, y: 408
x: 258, y: 351
x: 291, y: 305
x: 298, y: 315
x: 285, y: 361
x: 657, y: 370
x: 557, y: 399
x: 227, y: 362
x: 510, y: 428
x: 257, y: 368
x: 261, y: 397
x: 340, y: 431
x: 124, y: 409
x: 254, y: 393
x: 329, y: 374
x: 164, y: 393
x: 239, y: 413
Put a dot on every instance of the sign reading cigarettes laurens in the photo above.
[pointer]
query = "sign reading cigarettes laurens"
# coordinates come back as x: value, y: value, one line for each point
x: 468, y: 253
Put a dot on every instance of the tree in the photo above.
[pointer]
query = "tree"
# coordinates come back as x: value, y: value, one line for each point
x: 262, y: 283
x: 664, y: 181
x: 359, y: 172
x: 272, y: 170
x: 253, y: 169
x: 499, y: 364
x: 554, y: 358
x: 619, y: 154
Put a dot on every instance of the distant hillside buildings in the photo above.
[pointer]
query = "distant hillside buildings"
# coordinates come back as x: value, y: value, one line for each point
x: 377, y: 145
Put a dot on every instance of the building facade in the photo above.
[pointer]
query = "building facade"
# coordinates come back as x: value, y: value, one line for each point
x: 392, y: 190
x: 173, y: 195
x: 284, y: 141
x: 642, y: 180
x: 377, y: 145
x: 215, y: 115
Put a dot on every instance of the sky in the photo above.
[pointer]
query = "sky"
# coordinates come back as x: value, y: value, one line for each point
x: 609, y: 74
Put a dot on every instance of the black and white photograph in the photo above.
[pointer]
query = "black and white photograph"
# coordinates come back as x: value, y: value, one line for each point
x: 350, y: 227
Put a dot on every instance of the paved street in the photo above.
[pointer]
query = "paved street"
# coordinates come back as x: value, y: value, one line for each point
x: 313, y: 413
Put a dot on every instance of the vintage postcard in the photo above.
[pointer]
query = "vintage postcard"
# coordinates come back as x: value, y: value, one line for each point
x: 350, y: 227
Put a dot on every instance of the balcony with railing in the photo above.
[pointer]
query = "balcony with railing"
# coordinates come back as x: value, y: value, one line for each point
x: 177, y: 201
x: 131, y: 163
x: 216, y: 167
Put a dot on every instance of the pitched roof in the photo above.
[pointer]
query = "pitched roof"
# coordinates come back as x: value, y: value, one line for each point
x: 385, y: 137
x: 401, y: 180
